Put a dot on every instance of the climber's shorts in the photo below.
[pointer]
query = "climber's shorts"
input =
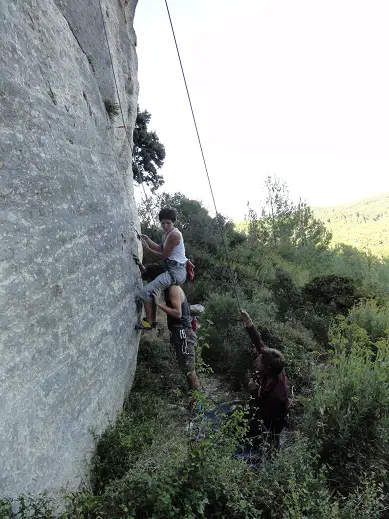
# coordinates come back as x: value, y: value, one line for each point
x: 184, y: 341
x: 175, y: 275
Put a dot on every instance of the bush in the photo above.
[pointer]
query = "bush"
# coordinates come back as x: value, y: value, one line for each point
x: 144, y: 416
x: 347, y: 414
x: 287, y: 294
x: 372, y: 317
x: 230, y: 350
x: 331, y: 295
x: 293, y: 486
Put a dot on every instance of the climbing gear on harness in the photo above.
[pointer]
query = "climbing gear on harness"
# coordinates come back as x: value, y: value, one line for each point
x: 184, y: 344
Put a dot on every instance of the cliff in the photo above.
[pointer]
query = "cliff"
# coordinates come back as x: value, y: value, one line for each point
x: 67, y: 280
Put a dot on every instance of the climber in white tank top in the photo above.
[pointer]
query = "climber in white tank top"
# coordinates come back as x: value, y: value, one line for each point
x: 178, y: 253
x: 172, y: 251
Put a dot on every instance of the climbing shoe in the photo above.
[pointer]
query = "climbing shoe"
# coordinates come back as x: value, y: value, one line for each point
x: 145, y: 325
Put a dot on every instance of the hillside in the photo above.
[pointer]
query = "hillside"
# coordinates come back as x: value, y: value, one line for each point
x: 363, y: 224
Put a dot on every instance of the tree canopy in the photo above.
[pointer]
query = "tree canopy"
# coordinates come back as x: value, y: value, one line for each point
x: 148, y: 153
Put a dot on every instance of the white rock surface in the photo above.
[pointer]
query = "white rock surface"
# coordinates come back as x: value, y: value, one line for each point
x: 67, y: 279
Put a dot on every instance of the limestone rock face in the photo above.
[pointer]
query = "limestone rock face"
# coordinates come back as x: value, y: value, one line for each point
x: 67, y: 214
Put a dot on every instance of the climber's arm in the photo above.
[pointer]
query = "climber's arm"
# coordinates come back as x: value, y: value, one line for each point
x: 150, y: 243
x: 254, y: 335
x: 172, y: 241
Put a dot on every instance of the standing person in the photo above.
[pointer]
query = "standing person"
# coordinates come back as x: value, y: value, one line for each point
x: 268, y: 388
x: 182, y: 336
x: 179, y: 320
x: 172, y: 252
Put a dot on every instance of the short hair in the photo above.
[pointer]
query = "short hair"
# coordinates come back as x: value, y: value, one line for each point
x: 168, y: 213
x: 274, y: 360
x: 151, y: 272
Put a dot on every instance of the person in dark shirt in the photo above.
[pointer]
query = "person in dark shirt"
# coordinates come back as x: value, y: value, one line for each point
x: 268, y: 388
x: 182, y: 337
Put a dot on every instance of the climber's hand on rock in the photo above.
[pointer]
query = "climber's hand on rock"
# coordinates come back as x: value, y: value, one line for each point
x: 244, y: 316
x: 145, y: 245
x: 158, y: 298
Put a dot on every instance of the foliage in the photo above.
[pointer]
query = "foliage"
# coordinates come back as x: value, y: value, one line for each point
x: 286, y: 293
x: 371, y: 316
x: 230, y: 351
x: 363, y: 224
x: 347, y: 413
x: 283, y: 223
x: 148, y: 153
x: 331, y: 295
x: 111, y: 108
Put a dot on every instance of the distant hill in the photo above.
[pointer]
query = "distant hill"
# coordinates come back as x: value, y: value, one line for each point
x: 363, y: 224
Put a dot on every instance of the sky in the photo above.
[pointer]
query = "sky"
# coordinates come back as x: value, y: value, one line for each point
x: 294, y: 89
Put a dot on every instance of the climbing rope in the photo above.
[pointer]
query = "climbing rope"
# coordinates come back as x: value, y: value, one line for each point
x: 234, y: 285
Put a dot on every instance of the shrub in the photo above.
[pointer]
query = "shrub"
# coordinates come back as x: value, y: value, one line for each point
x: 372, y: 317
x: 286, y: 293
x: 144, y: 416
x: 230, y: 350
x: 111, y: 108
x: 347, y: 414
x: 293, y: 486
x: 331, y: 295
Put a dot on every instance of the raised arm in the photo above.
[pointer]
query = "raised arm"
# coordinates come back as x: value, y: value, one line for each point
x: 254, y: 335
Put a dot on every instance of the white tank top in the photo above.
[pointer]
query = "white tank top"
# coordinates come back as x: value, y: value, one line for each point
x: 178, y: 253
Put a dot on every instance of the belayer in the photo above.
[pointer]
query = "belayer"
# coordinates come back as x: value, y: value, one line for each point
x: 172, y: 252
x: 182, y: 336
x: 269, y: 391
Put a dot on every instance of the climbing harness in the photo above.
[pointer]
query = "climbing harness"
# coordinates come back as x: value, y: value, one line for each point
x: 184, y: 344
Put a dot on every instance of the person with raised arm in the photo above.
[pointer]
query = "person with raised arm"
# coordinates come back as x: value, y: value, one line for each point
x: 268, y: 387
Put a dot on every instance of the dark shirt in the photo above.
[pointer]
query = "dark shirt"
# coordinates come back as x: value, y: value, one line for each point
x: 271, y: 400
x: 186, y: 319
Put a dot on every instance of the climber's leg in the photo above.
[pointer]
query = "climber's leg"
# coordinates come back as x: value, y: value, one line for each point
x: 163, y: 281
x: 185, y: 348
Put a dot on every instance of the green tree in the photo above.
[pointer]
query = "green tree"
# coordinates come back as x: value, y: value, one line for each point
x: 148, y: 153
x: 308, y: 230
x: 278, y: 210
x: 284, y: 223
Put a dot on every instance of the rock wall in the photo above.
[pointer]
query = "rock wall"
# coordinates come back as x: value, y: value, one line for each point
x: 67, y: 280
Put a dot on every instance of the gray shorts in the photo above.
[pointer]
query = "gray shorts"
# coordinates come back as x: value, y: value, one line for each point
x: 184, y: 341
x: 176, y: 275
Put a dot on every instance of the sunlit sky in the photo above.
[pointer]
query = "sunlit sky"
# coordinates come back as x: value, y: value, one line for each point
x: 297, y: 89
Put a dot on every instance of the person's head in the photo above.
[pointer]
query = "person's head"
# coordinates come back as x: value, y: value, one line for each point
x: 167, y: 216
x: 269, y: 363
